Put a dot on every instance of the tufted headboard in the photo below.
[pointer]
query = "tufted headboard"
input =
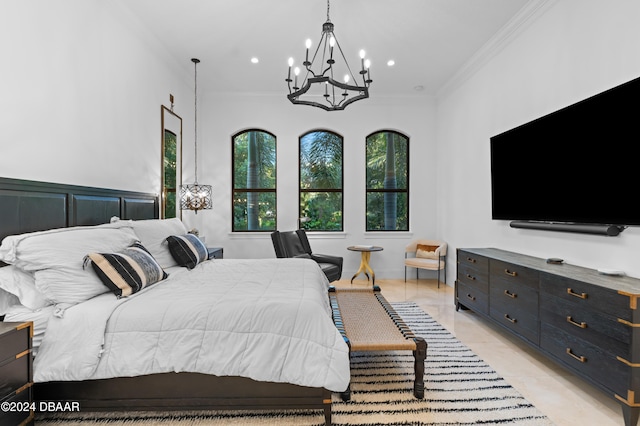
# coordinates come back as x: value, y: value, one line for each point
x: 27, y: 206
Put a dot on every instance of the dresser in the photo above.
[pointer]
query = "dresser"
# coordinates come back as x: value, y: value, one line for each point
x: 16, y: 374
x: 581, y: 319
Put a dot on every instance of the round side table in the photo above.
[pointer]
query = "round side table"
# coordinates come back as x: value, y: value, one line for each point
x: 365, y: 252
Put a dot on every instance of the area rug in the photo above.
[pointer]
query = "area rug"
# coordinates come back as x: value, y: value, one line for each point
x: 460, y: 389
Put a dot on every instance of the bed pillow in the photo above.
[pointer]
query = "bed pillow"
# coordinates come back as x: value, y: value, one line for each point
x: 55, y: 257
x: 153, y: 234
x: 128, y: 271
x: 22, y: 286
x: 187, y: 250
x: 426, y: 251
x: 7, y: 302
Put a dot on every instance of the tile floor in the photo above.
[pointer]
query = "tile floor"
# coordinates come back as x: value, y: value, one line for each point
x: 564, y: 398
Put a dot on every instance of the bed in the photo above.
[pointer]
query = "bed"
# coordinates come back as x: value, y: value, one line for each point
x: 252, y: 364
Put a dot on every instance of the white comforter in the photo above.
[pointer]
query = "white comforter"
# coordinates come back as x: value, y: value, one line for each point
x: 267, y: 319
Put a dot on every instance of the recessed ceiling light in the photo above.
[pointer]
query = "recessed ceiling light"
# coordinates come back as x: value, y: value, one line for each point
x: 391, y: 62
x: 254, y: 60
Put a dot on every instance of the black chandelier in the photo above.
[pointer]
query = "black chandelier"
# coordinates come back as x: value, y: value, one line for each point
x: 318, y: 87
x: 195, y: 196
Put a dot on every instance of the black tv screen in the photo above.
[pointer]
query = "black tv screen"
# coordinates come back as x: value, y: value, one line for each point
x: 578, y: 164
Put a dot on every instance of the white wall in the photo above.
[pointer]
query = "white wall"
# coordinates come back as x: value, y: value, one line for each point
x: 574, y: 50
x: 225, y: 115
x: 82, y: 85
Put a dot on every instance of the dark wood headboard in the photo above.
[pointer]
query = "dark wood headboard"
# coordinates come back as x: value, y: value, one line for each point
x: 27, y: 206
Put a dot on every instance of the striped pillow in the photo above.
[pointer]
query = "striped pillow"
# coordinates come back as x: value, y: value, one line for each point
x: 188, y: 250
x: 127, y: 272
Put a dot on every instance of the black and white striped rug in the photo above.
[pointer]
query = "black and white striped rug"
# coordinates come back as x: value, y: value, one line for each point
x: 460, y: 389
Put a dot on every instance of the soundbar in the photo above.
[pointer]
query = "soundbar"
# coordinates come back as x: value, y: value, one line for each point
x: 582, y: 228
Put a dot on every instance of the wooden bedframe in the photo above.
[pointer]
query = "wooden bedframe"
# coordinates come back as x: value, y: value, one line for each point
x: 27, y: 206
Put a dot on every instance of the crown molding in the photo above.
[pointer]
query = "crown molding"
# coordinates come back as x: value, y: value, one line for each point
x: 512, y: 29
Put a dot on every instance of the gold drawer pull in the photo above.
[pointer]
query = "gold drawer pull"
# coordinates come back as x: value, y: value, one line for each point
x: 469, y: 259
x: 511, y: 295
x: 471, y: 297
x: 577, y: 324
x: 573, y: 293
x: 572, y: 355
x: 471, y: 277
x: 511, y: 320
x: 511, y: 274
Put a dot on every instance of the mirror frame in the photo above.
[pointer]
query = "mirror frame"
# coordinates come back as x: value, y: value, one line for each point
x: 172, y: 122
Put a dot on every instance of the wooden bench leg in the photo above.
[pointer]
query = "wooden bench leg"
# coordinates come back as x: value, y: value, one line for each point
x: 419, y: 355
x: 327, y: 412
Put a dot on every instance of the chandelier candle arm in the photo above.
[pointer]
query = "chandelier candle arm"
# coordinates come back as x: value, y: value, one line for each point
x: 310, y: 92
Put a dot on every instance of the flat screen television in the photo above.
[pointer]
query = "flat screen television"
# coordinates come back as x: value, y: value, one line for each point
x: 576, y: 165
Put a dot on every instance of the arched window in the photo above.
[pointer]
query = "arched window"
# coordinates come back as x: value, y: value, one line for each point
x: 321, y: 177
x: 387, y: 181
x: 254, y: 181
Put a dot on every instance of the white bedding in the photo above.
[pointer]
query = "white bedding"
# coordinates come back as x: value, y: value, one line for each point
x: 266, y: 319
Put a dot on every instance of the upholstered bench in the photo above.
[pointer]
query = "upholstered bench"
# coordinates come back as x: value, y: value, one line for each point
x: 369, y: 323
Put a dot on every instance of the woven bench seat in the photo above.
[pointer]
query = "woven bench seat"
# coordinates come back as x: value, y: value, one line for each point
x: 368, y: 322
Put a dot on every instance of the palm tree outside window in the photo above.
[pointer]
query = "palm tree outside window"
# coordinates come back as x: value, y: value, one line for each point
x: 321, y: 177
x: 387, y: 181
x: 254, y: 181
x: 169, y: 171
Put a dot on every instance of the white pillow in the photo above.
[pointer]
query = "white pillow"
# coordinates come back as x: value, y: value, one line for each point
x: 22, y: 286
x: 153, y: 233
x: 56, y: 258
x: 7, y: 301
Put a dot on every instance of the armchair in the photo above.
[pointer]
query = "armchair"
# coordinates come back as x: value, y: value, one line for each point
x: 296, y: 244
x: 426, y: 254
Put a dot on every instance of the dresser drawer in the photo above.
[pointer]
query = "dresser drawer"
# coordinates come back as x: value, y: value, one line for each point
x: 586, y: 359
x: 514, y: 296
x: 18, y: 412
x: 592, y: 326
x: 508, y: 273
x: 519, y: 322
x: 13, y: 343
x: 473, y: 277
x: 479, y: 262
x: 14, y: 374
x: 587, y: 296
x: 473, y: 298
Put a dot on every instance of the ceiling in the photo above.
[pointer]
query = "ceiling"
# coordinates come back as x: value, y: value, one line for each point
x: 429, y: 40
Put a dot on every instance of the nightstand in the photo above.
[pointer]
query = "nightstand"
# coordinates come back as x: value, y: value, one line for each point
x: 215, y: 252
x: 16, y: 373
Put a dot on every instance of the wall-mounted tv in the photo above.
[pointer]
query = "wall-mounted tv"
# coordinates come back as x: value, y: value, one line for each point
x: 576, y: 165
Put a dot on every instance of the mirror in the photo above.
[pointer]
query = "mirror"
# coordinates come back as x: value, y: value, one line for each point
x: 171, y: 162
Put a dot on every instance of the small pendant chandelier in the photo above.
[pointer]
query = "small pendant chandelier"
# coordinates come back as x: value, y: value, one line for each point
x: 319, y: 88
x: 195, y: 196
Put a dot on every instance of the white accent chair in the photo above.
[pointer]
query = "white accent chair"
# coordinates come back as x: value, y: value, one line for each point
x: 426, y: 254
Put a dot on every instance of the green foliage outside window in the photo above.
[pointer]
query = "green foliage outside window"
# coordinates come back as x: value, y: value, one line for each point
x: 254, y: 181
x: 169, y: 178
x: 321, y: 176
x: 387, y: 159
